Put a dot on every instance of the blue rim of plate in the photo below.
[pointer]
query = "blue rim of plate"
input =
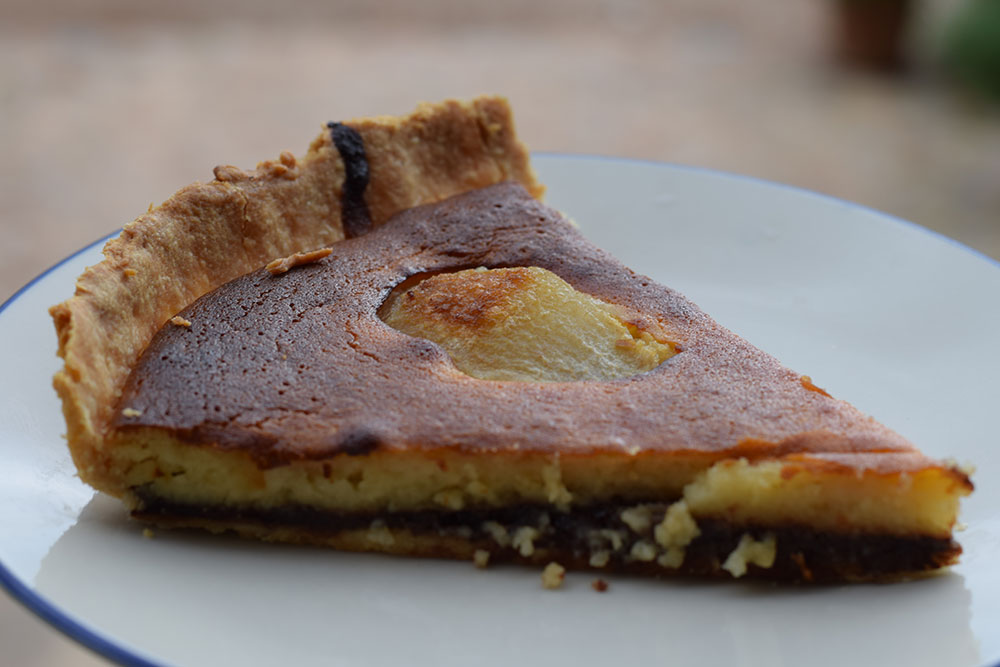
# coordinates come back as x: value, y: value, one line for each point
x: 33, y: 601
x: 106, y: 648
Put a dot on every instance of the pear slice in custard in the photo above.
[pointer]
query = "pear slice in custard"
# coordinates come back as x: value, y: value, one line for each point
x: 524, y: 324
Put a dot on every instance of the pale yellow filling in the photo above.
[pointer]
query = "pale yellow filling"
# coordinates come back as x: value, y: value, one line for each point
x: 764, y: 492
x: 524, y: 324
x: 923, y: 502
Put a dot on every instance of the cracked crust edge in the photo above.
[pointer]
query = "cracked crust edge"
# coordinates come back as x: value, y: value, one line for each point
x: 209, y: 233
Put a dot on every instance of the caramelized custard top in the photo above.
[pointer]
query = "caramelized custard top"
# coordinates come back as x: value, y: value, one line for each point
x: 299, y: 365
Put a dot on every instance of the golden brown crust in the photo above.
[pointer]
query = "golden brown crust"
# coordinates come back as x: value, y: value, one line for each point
x: 170, y: 256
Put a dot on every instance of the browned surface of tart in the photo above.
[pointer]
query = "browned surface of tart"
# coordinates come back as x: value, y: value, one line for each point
x: 300, y: 366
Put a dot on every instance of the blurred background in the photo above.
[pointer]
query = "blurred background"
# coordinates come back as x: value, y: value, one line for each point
x: 108, y: 105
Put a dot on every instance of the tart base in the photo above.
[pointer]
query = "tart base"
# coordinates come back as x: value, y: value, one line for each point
x: 590, y: 538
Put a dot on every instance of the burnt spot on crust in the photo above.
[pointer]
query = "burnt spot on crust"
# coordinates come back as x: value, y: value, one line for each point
x: 358, y: 443
x: 356, y: 218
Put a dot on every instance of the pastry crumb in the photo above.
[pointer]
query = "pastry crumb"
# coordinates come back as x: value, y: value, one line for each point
x: 129, y: 272
x: 481, y: 558
x: 643, y: 551
x: 638, y: 518
x: 553, y: 575
x: 599, y: 585
x: 148, y: 533
x: 615, y: 538
x: 284, y: 264
x: 498, y: 532
x: 600, y: 558
x: 180, y: 321
x: 674, y: 533
x: 131, y: 412
x: 807, y: 383
x: 751, y: 551
x: 227, y: 172
x: 524, y: 540
x: 379, y: 533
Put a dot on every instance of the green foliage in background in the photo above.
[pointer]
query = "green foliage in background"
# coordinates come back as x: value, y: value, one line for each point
x: 972, y: 46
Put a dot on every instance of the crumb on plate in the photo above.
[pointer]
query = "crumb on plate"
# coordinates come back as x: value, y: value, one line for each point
x: 553, y: 575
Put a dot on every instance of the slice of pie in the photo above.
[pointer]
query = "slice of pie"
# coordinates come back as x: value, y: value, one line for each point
x: 391, y: 345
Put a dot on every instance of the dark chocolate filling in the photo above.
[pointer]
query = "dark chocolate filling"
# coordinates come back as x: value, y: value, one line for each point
x: 356, y: 218
x: 803, y: 554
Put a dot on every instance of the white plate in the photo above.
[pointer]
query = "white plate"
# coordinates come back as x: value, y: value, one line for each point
x: 900, y: 321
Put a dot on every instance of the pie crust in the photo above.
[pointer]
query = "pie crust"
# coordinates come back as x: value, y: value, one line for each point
x: 210, y: 233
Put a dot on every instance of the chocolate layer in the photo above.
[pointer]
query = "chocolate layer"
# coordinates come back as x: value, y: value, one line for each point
x: 803, y: 554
